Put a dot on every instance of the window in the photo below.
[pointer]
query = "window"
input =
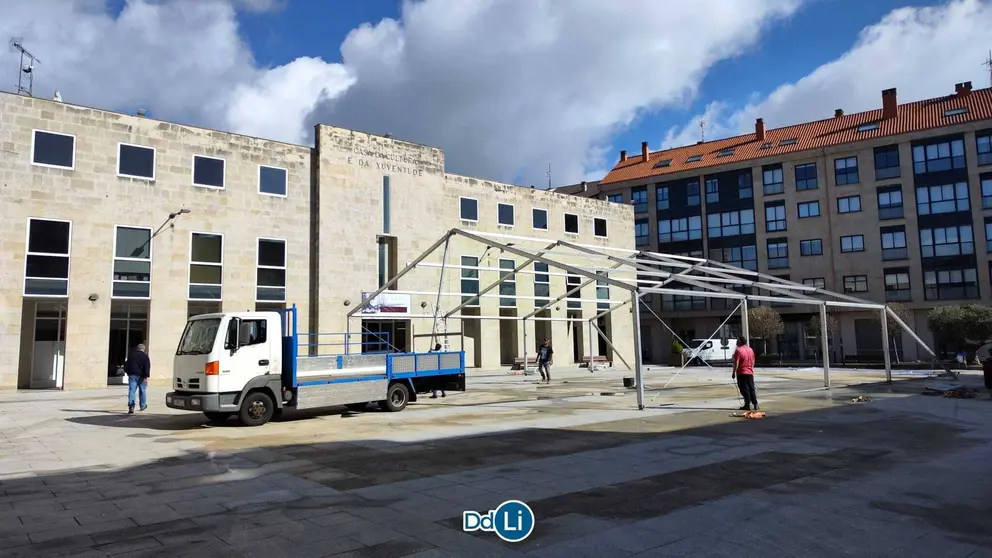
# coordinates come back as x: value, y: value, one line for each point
x: 663, y: 163
x: 744, y: 256
x: 386, y: 206
x: 890, y: 203
x: 772, y: 179
x: 539, y: 219
x: 712, y: 190
x: 887, y: 162
x: 694, y: 158
x: 988, y: 235
x: 947, y: 198
x: 386, y: 246
x: 936, y: 157
x: 468, y: 209
x: 766, y: 145
x: 897, y: 287
x: 692, y: 192
x: 775, y: 217
x: 542, y: 285
x: 955, y: 111
x: 812, y: 247
x: 817, y: 282
x: 49, y: 149
x: 508, y: 284
x: 791, y: 141
x: 726, y: 152
x: 855, y: 283
x: 135, y: 161
x: 745, y: 190
x: 986, y: 191
x: 571, y: 282
x: 602, y: 292
x: 731, y: 223
x: 614, y: 198
x: 677, y: 230
x: 809, y: 209
x: 947, y: 241
x: 571, y: 223
x: 849, y: 204
x: 661, y: 194
x: 273, y: 181
x: 208, y: 171
x: 806, y: 177
x: 869, y: 127
x: 642, y: 234
x: 673, y: 302
x: 950, y: 284
x: 852, y: 243
x: 639, y: 197
x: 470, y: 280
x: 778, y: 253
x: 206, y: 266
x: 846, y: 171
x: 504, y: 214
x: 252, y: 332
x: 894, y: 243
x: 46, y: 266
x: 132, y: 262
x: 599, y: 227
x: 983, y: 143
x: 270, y: 275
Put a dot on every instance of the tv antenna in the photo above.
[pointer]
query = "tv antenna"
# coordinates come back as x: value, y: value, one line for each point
x: 988, y: 64
x: 549, y: 176
x: 702, y: 130
x: 25, y: 68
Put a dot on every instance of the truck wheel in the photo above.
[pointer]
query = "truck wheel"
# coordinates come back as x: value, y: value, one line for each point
x: 256, y: 409
x: 215, y: 416
x: 356, y: 407
x: 397, y: 398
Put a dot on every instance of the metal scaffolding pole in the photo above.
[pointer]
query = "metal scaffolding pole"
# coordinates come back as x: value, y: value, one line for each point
x: 615, y: 351
x: 440, y: 287
x: 638, y: 364
x: 885, y: 345
x: 825, y: 345
x: 745, y: 324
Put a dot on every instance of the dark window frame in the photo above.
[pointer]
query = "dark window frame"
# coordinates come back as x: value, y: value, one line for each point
x: 849, y: 176
x: 887, y: 209
x: 927, y: 160
x: 811, y: 247
x: 640, y: 205
x: 887, y: 164
x: 932, y: 238
x: 769, y: 227
x: 854, y: 242
x: 777, y: 177
x: 854, y: 282
x: 806, y: 181
x: 849, y: 200
x: 808, y: 205
x: 566, y: 220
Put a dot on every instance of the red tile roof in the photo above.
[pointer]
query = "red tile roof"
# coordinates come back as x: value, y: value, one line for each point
x: 912, y: 117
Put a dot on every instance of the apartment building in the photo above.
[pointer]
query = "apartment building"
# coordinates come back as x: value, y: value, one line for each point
x: 888, y: 205
x: 116, y: 228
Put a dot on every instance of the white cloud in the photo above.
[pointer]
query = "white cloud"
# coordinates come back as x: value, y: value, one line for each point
x: 922, y: 52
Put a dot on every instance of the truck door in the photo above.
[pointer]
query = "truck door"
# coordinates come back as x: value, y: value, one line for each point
x: 252, y: 357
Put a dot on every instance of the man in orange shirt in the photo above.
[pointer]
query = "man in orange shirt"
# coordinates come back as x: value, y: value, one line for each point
x: 744, y: 372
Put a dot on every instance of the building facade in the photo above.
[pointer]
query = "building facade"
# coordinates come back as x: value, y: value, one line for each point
x: 118, y: 227
x: 890, y: 205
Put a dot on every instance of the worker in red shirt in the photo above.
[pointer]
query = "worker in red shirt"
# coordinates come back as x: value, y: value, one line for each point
x: 744, y: 372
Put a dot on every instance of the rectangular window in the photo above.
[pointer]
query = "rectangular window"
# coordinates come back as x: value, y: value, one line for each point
x: 947, y: 198
x: 950, y: 284
x: 274, y: 181
x: 897, y: 287
x: 745, y: 190
x: 542, y: 285
x: 712, y: 190
x: 673, y: 303
x: 694, y: 158
x: 386, y: 222
x: 986, y: 191
x: 806, y: 177
x: 602, y: 292
x: 539, y: 219
x: 791, y: 141
x: 599, y: 227
x: 51, y: 149
x: 132, y: 262
x: 504, y: 214
x: 677, y: 230
x: 46, y: 265
x: 639, y: 198
x: 817, y: 282
x: 470, y: 280
x: 855, y: 283
x: 387, y: 261
x: 887, y: 162
x: 730, y: 223
x: 811, y: 247
x: 890, y: 203
x: 983, y: 144
x: 947, y: 241
x: 894, y: 243
x: 846, y: 171
x: 772, y: 179
x: 940, y: 156
x: 809, y: 209
x: 692, y: 192
x: 849, y: 204
x: 208, y: 172
x: 726, y: 152
x: 135, y: 161
x: 468, y: 209
x: 571, y: 282
x: 614, y: 198
x: 661, y: 195
x: 663, y: 163
x: 852, y: 243
x: 571, y: 223
x: 743, y: 256
x: 508, y: 284
x: 778, y: 253
x: 775, y: 217
x: 270, y: 275
x: 642, y: 232
x: 206, y: 266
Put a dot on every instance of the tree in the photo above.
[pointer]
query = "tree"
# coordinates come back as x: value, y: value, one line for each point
x: 813, y: 327
x: 961, y: 327
x: 765, y: 322
x: 894, y: 329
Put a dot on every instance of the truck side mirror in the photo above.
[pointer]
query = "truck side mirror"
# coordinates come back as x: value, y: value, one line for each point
x: 232, y: 341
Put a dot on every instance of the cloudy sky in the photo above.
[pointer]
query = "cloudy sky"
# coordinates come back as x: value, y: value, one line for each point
x: 506, y: 87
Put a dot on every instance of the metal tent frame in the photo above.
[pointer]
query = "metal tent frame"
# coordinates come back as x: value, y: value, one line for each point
x: 638, y: 272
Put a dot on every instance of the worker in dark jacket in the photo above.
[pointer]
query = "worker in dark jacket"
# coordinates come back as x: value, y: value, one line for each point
x: 138, y: 369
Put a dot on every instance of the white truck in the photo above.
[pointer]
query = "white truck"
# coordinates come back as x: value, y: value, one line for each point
x: 713, y: 351
x: 249, y: 364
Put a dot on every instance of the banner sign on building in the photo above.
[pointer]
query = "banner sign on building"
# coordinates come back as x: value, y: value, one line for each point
x: 387, y: 303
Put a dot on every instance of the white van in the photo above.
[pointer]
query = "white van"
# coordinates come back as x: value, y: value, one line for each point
x: 712, y: 351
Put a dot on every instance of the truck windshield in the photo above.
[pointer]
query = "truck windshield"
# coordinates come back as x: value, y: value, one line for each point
x: 198, y: 339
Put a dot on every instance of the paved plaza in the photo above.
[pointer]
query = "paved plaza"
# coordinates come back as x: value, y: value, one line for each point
x: 900, y: 475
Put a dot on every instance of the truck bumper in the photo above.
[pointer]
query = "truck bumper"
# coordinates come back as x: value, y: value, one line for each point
x: 205, y: 402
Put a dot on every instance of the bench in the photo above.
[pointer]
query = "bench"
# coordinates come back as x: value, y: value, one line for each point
x: 595, y: 359
x: 518, y: 363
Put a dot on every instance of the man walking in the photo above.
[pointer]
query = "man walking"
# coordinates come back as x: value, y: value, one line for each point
x: 138, y: 369
x: 744, y: 372
x: 544, y: 357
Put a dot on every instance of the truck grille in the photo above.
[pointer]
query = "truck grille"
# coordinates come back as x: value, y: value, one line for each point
x: 192, y: 383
